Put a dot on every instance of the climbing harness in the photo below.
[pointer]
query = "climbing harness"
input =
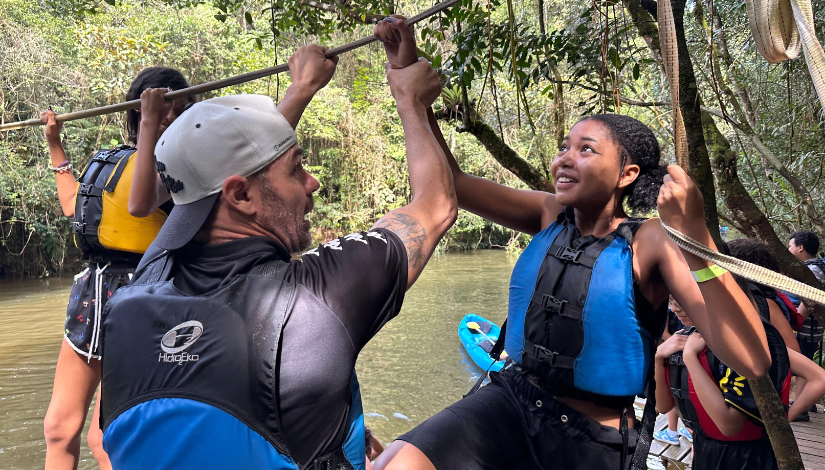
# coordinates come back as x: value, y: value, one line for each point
x: 226, y: 82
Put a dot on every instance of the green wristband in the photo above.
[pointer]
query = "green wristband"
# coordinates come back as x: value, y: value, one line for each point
x: 711, y: 272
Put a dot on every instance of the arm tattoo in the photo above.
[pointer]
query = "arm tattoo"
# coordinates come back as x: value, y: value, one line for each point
x: 411, y: 233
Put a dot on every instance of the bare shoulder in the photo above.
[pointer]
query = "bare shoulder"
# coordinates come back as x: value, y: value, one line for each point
x: 650, y: 236
x: 412, y: 234
x: 550, y: 210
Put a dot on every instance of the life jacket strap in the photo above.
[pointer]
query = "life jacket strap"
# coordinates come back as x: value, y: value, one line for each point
x: 553, y: 358
x: 87, y: 189
x: 569, y: 255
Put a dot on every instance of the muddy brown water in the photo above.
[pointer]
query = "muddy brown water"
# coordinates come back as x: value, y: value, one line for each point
x: 412, y: 369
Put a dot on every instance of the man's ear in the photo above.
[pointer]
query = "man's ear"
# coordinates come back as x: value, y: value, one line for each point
x: 236, y: 194
x: 629, y: 175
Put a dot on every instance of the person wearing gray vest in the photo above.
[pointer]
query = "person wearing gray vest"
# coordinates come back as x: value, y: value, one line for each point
x: 804, y: 245
x: 227, y: 352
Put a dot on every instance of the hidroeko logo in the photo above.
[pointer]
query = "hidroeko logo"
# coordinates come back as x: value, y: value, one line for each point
x: 179, y: 339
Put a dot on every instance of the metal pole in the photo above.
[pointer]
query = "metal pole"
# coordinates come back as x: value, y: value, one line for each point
x: 210, y: 86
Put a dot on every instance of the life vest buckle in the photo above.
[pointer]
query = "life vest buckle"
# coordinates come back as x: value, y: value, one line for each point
x: 676, y: 392
x: 88, y: 189
x: 79, y: 228
x: 676, y: 360
x: 551, y: 303
x: 543, y: 354
x: 565, y: 253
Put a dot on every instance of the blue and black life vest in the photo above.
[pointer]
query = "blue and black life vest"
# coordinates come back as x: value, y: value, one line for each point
x: 575, y: 319
x: 191, y: 382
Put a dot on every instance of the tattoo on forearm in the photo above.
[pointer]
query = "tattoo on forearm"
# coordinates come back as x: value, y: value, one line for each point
x: 411, y: 233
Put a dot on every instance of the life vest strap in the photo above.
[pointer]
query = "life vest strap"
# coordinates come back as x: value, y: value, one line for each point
x: 559, y: 307
x: 87, y: 189
x: 569, y: 255
x: 553, y: 358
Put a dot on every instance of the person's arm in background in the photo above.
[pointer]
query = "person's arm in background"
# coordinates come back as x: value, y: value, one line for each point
x: 433, y: 209
x: 733, y: 331
x: 728, y: 419
x: 814, y: 377
x: 310, y: 70
x: 672, y: 345
x: 148, y: 192
x: 781, y: 324
x: 66, y: 182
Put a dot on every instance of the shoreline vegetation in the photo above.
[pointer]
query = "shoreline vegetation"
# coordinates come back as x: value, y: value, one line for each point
x: 517, y: 76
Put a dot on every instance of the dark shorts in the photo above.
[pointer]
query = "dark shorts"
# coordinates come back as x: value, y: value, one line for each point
x: 710, y: 454
x: 512, y: 425
x: 91, y: 287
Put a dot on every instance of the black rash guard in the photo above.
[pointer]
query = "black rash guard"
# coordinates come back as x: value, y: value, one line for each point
x: 347, y: 289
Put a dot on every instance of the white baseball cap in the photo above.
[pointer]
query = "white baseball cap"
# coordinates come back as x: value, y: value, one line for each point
x: 211, y: 141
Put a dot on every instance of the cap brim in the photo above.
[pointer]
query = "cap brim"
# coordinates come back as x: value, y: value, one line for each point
x: 184, y: 222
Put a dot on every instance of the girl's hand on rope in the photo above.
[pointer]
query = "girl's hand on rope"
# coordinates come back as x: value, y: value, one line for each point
x: 310, y: 69
x: 680, y: 203
x: 416, y: 85
x: 399, y: 41
x: 695, y: 344
x: 52, y: 130
x: 153, y: 108
x: 672, y: 345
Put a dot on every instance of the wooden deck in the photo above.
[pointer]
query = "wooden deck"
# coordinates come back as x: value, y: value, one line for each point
x: 810, y: 436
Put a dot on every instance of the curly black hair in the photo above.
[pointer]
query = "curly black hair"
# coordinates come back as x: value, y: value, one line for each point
x: 808, y: 240
x: 754, y: 251
x: 638, y: 146
x: 151, y: 77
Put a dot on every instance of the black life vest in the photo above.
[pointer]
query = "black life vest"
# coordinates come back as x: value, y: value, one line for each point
x: 678, y: 377
x: 103, y: 227
x: 193, y: 380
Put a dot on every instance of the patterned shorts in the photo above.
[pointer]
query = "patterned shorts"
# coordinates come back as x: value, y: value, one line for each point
x: 91, y: 290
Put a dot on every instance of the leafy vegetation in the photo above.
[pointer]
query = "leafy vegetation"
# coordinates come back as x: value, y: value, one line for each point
x: 517, y: 76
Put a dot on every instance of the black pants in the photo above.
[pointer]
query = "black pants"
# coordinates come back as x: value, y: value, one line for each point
x: 511, y: 424
x: 710, y: 454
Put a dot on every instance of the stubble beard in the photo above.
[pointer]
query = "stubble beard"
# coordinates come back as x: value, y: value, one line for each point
x: 279, y: 219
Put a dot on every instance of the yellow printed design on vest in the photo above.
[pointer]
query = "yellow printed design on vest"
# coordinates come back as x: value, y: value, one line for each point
x: 736, y: 384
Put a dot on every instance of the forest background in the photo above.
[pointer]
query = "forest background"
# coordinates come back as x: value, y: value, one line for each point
x: 518, y: 74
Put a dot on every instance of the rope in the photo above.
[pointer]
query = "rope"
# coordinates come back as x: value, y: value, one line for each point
x: 226, y: 82
x: 780, y: 27
x: 747, y: 270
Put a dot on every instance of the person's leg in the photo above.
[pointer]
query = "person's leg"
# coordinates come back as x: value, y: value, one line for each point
x: 95, y: 438
x: 75, y: 382
x: 672, y: 420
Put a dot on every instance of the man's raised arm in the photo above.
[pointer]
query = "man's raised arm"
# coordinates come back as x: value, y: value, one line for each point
x: 433, y: 209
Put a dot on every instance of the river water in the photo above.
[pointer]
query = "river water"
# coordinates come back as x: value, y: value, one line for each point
x: 412, y: 369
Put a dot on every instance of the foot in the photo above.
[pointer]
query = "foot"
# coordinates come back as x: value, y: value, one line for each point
x: 802, y: 417
x: 813, y: 408
x: 667, y: 436
x: 685, y: 432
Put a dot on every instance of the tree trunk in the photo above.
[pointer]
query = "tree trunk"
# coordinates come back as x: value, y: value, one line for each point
x: 747, y: 213
x: 776, y: 424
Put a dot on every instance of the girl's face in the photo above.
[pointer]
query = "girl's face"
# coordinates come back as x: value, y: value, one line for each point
x: 178, y: 106
x: 587, y: 170
x: 680, y: 314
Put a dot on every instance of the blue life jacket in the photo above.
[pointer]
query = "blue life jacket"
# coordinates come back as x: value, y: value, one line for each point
x: 575, y: 319
x: 192, y: 381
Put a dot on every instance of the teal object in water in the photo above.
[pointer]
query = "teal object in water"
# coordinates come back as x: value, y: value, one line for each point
x: 479, y: 342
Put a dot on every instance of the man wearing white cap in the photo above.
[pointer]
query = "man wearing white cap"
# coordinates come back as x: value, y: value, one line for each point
x: 225, y: 353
